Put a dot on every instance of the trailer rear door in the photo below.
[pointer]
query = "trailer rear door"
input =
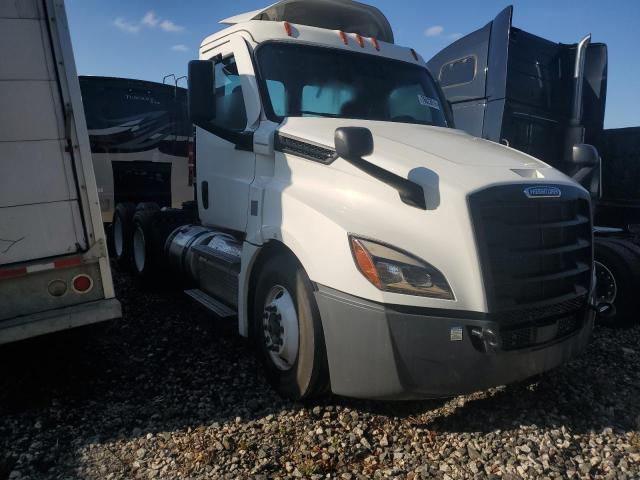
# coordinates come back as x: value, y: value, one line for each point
x: 40, y: 214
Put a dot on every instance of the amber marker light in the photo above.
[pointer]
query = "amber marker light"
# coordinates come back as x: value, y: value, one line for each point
x: 364, y: 262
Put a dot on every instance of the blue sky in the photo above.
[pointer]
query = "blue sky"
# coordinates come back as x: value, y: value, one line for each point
x: 149, y: 39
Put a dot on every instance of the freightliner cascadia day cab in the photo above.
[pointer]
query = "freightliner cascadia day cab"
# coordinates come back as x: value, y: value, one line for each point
x: 140, y: 134
x: 54, y: 269
x: 547, y: 99
x: 366, y: 245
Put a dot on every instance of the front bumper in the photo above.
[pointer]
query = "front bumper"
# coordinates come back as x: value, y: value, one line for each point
x: 376, y: 351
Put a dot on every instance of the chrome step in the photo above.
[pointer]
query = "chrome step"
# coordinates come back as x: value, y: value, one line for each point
x: 211, y: 303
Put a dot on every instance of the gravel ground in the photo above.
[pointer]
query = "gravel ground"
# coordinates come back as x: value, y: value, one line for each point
x: 169, y: 392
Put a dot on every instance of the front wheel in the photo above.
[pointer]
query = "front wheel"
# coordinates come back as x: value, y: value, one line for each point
x: 288, y: 330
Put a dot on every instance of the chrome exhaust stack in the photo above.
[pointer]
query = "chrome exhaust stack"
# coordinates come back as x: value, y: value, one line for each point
x: 578, y: 80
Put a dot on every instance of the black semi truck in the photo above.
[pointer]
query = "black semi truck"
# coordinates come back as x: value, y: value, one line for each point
x: 548, y: 99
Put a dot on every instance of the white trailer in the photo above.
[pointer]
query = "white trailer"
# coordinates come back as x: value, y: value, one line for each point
x: 54, y: 268
x: 367, y: 246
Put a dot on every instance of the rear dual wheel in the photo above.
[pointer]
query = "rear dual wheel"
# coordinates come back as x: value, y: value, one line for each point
x: 122, y: 232
x: 132, y: 234
x: 147, y: 246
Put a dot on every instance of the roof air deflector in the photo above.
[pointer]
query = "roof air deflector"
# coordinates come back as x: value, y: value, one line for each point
x: 346, y: 15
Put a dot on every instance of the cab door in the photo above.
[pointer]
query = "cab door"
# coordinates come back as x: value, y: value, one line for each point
x: 225, y: 157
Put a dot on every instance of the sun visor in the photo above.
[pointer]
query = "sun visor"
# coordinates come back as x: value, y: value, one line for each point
x: 345, y: 15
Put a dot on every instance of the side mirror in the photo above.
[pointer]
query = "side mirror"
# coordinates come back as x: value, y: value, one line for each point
x: 202, y: 98
x: 584, y: 155
x: 585, y: 169
x: 353, y: 143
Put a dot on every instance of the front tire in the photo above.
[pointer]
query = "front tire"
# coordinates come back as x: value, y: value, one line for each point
x: 288, y: 330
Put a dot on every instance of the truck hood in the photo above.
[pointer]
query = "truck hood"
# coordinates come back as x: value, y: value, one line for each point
x: 402, y: 147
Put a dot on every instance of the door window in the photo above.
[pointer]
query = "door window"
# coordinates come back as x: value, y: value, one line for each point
x: 458, y: 72
x: 230, y: 109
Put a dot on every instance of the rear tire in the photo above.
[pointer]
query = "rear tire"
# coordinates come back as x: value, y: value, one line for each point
x: 122, y: 233
x: 145, y: 252
x: 284, y: 307
x: 618, y: 278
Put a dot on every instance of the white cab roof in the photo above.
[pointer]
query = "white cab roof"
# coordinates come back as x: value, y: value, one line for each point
x: 257, y: 32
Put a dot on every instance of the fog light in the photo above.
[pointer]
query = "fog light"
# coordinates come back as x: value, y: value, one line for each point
x: 82, y: 283
x: 57, y: 287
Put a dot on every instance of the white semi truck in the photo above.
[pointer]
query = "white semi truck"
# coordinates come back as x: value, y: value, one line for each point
x: 366, y: 245
x: 54, y: 269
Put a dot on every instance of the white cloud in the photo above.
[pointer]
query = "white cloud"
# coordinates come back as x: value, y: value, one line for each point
x: 169, y: 26
x: 434, y: 31
x: 150, y: 19
x: 454, y: 36
x: 180, y: 48
x: 125, y: 26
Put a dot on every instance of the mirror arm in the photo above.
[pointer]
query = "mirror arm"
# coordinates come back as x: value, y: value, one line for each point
x: 410, y: 193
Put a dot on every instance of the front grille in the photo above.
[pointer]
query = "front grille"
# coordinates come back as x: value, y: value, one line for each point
x: 519, y: 338
x: 535, y: 253
x: 533, y: 314
x: 540, y: 332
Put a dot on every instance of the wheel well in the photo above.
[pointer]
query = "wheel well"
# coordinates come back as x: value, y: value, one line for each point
x: 269, y: 250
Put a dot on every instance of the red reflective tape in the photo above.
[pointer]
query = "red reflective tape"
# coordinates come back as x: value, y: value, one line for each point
x: 360, y: 40
x: 13, y: 272
x: 68, y: 262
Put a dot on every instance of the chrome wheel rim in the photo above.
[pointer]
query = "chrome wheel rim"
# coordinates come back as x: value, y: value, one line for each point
x: 118, y: 240
x: 139, y: 249
x: 280, y: 327
x: 606, y: 287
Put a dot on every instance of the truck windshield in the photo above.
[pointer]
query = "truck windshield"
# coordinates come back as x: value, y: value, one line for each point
x: 308, y: 81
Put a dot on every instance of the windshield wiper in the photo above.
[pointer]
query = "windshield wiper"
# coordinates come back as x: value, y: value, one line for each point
x: 319, y: 114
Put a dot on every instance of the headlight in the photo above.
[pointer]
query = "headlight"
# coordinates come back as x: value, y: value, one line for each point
x: 392, y: 270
